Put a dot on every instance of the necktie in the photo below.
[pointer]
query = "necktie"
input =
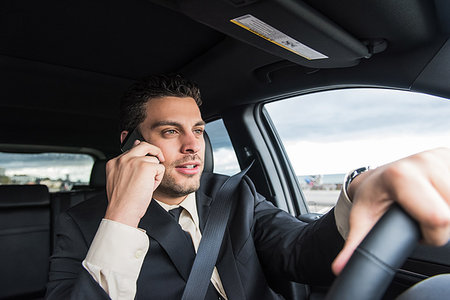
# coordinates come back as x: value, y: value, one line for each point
x: 175, y: 213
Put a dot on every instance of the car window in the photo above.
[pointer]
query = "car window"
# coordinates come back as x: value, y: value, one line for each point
x: 225, y: 160
x: 327, y: 134
x: 58, y: 171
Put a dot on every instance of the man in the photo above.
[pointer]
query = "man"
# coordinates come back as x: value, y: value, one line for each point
x: 131, y: 246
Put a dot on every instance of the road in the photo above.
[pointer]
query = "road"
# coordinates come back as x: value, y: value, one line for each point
x: 321, y: 201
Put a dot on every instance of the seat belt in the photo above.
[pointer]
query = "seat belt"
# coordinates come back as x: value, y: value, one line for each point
x: 212, y: 238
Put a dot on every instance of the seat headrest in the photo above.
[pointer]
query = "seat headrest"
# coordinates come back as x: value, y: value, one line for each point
x: 24, y: 195
x: 98, y: 174
x: 209, y: 158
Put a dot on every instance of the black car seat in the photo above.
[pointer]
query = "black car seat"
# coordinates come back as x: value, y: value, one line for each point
x: 209, y: 158
x: 24, y: 240
x: 61, y: 201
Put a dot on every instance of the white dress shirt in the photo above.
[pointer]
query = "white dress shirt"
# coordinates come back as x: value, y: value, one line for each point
x: 117, y: 252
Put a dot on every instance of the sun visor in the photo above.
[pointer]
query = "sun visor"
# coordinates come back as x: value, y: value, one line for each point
x: 434, y: 78
x: 286, y: 28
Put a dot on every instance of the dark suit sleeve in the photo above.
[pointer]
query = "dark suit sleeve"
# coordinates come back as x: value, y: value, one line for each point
x: 292, y: 249
x: 67, y: 278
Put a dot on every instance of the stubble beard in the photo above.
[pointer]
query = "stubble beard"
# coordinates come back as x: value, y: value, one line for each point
x: 170, y: 187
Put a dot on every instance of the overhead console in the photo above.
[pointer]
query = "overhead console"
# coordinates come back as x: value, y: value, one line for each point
x: 302, y: 35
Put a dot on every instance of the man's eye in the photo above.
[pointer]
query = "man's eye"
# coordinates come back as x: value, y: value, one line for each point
x: 170, y: 131
x: 198, y: 131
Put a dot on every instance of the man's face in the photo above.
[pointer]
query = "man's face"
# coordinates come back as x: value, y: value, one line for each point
x: 175, y: 126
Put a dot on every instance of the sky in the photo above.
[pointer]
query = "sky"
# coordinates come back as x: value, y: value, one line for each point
x: 324, y: 133
x: 337, y: 131
x: 225, y: 161
x: 51, y: 165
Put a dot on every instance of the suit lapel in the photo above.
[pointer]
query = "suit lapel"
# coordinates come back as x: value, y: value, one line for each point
x: 228, y: 271
x: 163, y: 228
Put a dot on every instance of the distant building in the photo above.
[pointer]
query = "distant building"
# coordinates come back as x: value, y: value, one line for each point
x: 23, y: 179
x: 2, y: 171
x: 321, y: 182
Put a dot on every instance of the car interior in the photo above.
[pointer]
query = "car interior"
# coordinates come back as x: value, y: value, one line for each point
x: 66, y: 64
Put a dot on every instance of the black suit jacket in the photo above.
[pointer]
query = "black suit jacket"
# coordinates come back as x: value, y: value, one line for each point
x: 260, y: 240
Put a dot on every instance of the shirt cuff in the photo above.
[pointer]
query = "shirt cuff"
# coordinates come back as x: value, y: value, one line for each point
x: 342, y: 214
x: 115, y: 258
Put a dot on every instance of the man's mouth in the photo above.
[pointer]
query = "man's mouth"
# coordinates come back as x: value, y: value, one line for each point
x: 188, y: 168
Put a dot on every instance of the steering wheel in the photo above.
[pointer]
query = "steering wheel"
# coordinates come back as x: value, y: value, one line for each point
x: 373, y: 265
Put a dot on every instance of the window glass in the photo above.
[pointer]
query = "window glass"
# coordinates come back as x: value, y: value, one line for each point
x: 225, y: 160
x: 58, y: 171
x: 329, y: 133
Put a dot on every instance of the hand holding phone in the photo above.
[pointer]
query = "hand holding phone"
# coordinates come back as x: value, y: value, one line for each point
x: 132, y: 136
x: 131, y: 180
x: 129, y: 140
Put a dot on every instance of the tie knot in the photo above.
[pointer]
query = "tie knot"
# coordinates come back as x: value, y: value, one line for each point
x: 175, y: 213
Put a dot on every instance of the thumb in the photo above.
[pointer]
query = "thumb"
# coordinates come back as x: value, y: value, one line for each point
x: 361, y: 221
x: 344, y: 256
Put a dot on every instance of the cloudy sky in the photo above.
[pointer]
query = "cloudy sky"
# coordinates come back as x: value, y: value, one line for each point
x: 225, y: 161
x: 336, y: 131
x: 51, y: 165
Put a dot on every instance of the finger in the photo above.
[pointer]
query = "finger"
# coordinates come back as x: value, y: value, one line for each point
x: 152, y: 159
x: 437, y: 166
x: 135, y: 143
x: 360, y: 224
x: 110, y: 171
x: 442, y: 180
x: 343, y: 257
x: 363, y: 217
x: 144, y: 148
x: 433, y: 214
x: 436, y: 235
x: 425, y: 200
x: 160, y: 169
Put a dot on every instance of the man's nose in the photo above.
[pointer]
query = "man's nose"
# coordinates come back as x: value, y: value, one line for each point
x: 191, y: 143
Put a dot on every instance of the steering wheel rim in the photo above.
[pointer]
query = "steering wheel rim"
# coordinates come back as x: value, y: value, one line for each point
x: 374, y: 263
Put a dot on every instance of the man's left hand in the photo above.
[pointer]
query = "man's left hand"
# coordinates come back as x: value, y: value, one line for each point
x: 419, y: 183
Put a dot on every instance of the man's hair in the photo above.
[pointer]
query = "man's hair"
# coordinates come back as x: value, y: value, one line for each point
x: 132, y: 104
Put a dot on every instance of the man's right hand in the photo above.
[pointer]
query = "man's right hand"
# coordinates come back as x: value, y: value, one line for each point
x: 131, y: 179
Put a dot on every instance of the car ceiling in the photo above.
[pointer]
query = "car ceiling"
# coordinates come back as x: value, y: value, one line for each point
x: 65, y: 64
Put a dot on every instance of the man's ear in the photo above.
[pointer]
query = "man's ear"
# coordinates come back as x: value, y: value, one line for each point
x: 123, y: 135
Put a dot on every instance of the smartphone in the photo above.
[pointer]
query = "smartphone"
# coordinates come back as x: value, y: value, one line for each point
x: 130, y: 138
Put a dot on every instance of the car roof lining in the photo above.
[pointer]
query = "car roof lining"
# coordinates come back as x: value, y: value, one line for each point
x: 435, y: 76
x: 293, y: 18
x: 64, y: 66
x: 110, y: 37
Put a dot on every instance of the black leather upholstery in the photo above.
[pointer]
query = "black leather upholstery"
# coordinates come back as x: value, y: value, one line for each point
x: 24, y: 240
x: 436, y: 287
x: 98, y: 174
x: 209, y: 158
x: 61, y: 201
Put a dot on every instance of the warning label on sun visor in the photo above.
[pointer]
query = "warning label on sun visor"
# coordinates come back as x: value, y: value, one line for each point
x: 275, y: 36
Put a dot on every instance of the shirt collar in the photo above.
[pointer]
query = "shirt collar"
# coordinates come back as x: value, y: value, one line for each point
x: 189, y: 204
